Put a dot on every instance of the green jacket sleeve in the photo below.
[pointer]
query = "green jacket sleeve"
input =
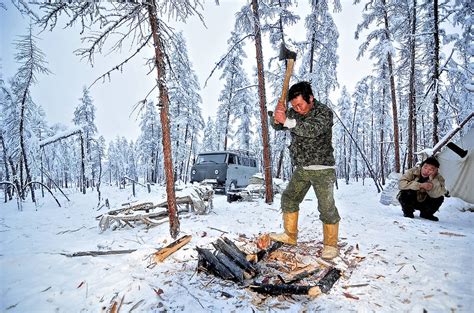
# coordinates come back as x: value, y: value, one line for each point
x: 314, y: 126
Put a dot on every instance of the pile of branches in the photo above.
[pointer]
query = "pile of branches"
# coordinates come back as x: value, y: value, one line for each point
x: 198, y: 201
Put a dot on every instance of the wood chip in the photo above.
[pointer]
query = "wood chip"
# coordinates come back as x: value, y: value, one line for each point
x: 451, y: 234
x: 350, y: 296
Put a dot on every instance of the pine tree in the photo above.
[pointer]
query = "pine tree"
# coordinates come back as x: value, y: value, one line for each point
x: 84, y: 117
x: 148, y: 142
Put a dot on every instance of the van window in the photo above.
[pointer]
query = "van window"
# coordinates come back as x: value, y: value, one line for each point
x: 211, y: 158
x: 253, y: 163
x: 233, y: 159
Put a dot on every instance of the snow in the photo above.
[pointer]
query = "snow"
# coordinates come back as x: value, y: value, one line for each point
x: 411, y: 265
x: 59, y: 135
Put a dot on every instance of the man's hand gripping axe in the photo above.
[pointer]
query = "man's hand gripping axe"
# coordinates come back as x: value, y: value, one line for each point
x: 290, y: 57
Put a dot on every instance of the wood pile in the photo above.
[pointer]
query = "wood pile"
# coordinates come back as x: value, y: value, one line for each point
x: 280, y: 270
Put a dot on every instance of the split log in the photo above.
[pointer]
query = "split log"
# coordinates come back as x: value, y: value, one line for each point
x: 300, y: 274
x: 165, y: 252
x: 97, y: 253
x: 323, y: 286
x: 228, y: 248
x: 328, y: 281
x: 236, y: 271
x: 260, y: 255
x: 277, y: 290
x: 208, y: 262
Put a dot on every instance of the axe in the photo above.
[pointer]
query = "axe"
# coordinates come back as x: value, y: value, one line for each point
x: 290, y: 57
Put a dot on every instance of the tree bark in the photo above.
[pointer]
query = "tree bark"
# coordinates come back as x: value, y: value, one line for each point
x: 435, y: 72
x: 22, y: 137
x: 164, y: 113
x: 412, y: 95
x: 8, y: 193
x: 263, y: 106
x: 396, y: 140
x: 83, y: 169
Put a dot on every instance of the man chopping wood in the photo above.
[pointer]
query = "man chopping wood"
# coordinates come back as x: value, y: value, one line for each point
x: 310, y: 124
x: 422, y: 188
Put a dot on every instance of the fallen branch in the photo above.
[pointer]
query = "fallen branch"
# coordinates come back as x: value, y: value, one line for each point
x: 97, y: 253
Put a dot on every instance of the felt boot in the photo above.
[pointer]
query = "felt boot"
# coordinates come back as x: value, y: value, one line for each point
x: 330, y: 233
x: 290, y: 225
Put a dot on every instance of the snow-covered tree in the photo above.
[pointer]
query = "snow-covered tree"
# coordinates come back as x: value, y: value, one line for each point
x: 185, y: 108
x: 210, y: 141
x: 378, y: 12
x: 319, y: 65
x: 235, y: 98
x: 148, y: 142
x: 21, y: 113
x: 84, y: 117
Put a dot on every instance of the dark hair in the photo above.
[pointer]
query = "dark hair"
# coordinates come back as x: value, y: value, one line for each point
x: 431, y: 160
x: 300, y: 89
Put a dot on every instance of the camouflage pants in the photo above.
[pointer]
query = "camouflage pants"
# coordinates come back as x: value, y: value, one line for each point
x: 323, y: 185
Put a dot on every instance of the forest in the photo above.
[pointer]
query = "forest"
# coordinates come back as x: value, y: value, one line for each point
x: 419, y: 88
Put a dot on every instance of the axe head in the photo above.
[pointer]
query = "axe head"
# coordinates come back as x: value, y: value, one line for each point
x: 286, y: 54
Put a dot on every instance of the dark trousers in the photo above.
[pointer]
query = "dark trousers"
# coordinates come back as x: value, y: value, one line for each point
x: 410, y: 203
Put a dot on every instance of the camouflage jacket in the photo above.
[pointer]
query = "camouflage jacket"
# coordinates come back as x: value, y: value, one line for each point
x: 311, y: 138
x: 409, y: 181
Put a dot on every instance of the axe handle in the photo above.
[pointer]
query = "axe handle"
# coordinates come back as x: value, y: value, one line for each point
x: 286, y: 83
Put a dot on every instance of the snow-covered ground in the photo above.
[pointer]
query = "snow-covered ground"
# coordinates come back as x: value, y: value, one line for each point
x: 410, y: 265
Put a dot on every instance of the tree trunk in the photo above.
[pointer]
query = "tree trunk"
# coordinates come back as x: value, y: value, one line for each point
x: 263, y: 106
x: 435, y: 72
x: 83, y: 169
x: 8, y: 192
x: 412, y: 95
x: 22, y: 138
x: 396, y: 141
x: 164, y: 113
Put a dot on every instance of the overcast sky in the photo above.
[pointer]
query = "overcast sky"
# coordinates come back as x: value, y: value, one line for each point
x: 59, y: 92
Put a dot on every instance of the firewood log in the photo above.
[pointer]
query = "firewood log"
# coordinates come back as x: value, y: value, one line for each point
x: 236, y: 256
x: 208, y: 262
x: 171, y: 248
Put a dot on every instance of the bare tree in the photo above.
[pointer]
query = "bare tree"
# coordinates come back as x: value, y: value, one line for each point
x: 140, y: 23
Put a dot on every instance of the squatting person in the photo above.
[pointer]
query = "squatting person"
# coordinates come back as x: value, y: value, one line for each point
x: 310, y: 125
x: 422, y: 188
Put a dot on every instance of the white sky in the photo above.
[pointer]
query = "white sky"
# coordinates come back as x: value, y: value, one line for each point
x: 59, y: 92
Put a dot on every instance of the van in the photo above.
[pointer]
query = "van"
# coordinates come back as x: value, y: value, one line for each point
x: 225, y: 170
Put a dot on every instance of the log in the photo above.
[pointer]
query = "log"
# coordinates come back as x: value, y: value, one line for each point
x: 165, y: 252
x: 328, y: 281
x: 208, y: 262
x: 285, y: 289
x: 236, y: 271
x: 323, y: 286
x: 235, y: 255
x: 300, y: 274
x: 263, y: 253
